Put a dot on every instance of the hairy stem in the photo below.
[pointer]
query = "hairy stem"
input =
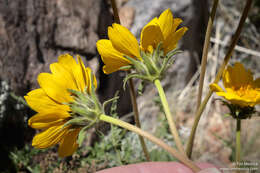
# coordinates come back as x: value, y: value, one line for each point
x: 132, y: 92
x: 238, y: 142
x: 169, y: 116
x: 153, y: 139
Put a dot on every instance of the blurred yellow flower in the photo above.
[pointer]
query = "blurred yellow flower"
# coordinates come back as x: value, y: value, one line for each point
x: 123, y: 43
x: 48, y: 101
x: 241, y: 88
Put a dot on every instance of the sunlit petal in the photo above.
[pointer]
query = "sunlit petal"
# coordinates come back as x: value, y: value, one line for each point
x: 54, y: 88
x: 39, y: 101
x: 111, y: 57
x: 166, y: 23
x: 123, y: 40
x: 171, y: 42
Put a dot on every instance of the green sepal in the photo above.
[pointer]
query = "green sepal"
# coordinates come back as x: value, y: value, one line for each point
x: 82, y: 132
x: 227, y: 115
x: 77, y: 122
x: 157, y: 54
x: 173, y: 52
x: 149, y: 64
x: 134, y: 75
x: 126, y: 67
x: 89, y: 114
x: 110, y: 101
x: 138, y: 65
x: 238, y: 112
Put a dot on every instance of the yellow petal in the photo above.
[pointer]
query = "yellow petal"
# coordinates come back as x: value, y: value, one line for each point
x: 75, y: 69
x: 235, y: 99
x: 69, y: 143
x: 89, y: 82
x: 215, y: 87
x: 67, y: 61
x: 166, y: 23
x: 154, y: 21
x: 72, y: 77
x: 123, y: 40
x: 171, y: 42
x: 39, y: 101
x: 46, y: 120
x: 227, y: 77
x: 151, y: 35
x: 53, y: 88
x: 238, y: 76
x: 257, y: 83
x: 80, y: 74
x: 63, y: 75
x: 176, y: 23
x: 110, y: 56
x: 49, y: 137
x: 257, y: 100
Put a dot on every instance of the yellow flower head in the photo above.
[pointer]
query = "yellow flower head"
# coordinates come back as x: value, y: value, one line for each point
x: 241, y: 88
x: 49, y: 103
x: 123, y: 43
x: 164, y: 30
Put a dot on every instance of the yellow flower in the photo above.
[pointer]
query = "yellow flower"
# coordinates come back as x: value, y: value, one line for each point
x: 48, y: 101
x: 123, y: 43
x: 162, y: 29
x: 241, y: 88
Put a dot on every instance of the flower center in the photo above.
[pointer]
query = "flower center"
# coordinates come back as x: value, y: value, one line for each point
x: 245, y: 91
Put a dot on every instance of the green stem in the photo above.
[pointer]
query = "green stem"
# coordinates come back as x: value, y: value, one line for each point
x: 153, y: 139
x: 205, y: 51
x: 132, y: 91
x: 238, y: 142
x: 169, y: 116
x: 218, y: 76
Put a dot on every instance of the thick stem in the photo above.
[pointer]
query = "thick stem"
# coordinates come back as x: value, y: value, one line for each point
x: 205, y: 51
x: 132, y: 91
x: 153, y: 139
x: 238, y: 142
x: 169, y: 116
x: 218, y: 76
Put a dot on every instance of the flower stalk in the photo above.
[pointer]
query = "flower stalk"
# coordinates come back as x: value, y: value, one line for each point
x: 136, y: 117
x: 170, y: 120
x: 238, y: 141
x: 132, y: 91
x: 218, y: 76
x: 152, y: 138
x: 205, y: 51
